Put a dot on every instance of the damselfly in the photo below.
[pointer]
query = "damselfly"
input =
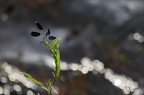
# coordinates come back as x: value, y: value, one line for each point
x: 47, y: 34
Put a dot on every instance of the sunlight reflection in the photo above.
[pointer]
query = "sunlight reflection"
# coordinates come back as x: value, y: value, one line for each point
x: 17, y: 88
x: 80, y: 67
x: 86, y: 62
x: 117, y: 82
x: 3, y: 79
x: 14, y: 75
x: 121, y: 81
x: 138, y: 92
x: 64, y: 66
x: 84, y: 70
x: 11, y: 77
x: 138, y: 37
x: 8, y: 69
x: 1, y: 90
x: 29, y: 92
x: 126, y: 84
x: 29, y: 84
x: 96, y: 66
x: 73, y: 66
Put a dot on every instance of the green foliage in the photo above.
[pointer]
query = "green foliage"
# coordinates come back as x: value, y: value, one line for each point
x: 54, y: 49
x: 34, y: 80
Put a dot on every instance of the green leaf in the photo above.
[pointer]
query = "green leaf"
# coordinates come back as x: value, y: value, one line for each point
x: 45, y: 42
x: 53, y: 74
x: 49, y: 46
x: 55, y: 44
x: 49, y: 85
x: 54, y: 49
x: 33, y: 80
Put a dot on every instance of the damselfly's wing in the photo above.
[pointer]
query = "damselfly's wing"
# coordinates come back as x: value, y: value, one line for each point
x: 48, y: 32
x: 52, y: 37
x: 38, y: 25
x: 35, y: 34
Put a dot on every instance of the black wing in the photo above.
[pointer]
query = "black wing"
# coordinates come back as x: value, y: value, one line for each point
x: 48, y: 32
x: 52, y: 37
x: 35, y: 34
x: 39, y: 26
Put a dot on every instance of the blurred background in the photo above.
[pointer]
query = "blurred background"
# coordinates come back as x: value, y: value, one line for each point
x: 102, y: 46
